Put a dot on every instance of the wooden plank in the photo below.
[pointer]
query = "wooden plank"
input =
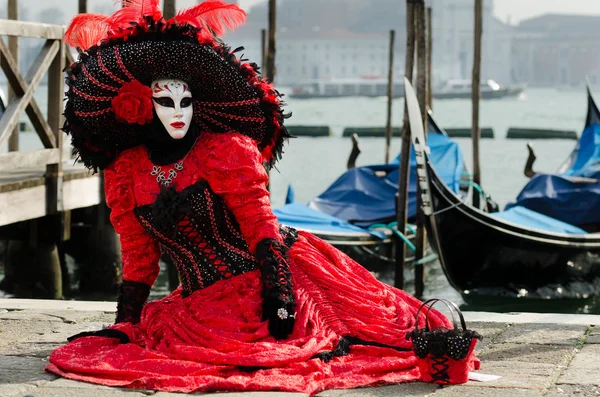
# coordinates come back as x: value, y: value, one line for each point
x: 11, y: 116
x: 81, y: 193
x: 9, y: 65
x: 29, y: 159
x: 22, y: 205
x: 31, y: 29
x: 25, y: 204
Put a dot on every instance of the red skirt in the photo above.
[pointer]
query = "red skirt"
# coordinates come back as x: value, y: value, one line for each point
x: 215, y: 339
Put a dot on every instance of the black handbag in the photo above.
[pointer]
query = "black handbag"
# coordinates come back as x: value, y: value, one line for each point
x: 444, y: 355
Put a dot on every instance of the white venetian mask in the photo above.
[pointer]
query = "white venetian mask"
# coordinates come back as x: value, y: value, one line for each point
x: 172, y: 101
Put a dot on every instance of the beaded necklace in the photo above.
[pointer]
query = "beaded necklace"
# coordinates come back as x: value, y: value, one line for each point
x: 166, y: 180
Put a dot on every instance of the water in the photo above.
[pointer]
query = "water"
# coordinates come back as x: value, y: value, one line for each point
x: 312, y: 164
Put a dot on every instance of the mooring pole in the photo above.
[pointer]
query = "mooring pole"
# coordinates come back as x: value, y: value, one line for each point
x: 263, y: 49
x: 269, y: 58
x: 476, y: 93
x: 82, y: 8
x: 271, y: 49
x: 421, y: 237
x: 429, y: 57
x: 13, y: 47
x: 390, y: 94
x: 404, y: 174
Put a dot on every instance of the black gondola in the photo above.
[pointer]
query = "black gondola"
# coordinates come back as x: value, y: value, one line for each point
x: 484, y: 255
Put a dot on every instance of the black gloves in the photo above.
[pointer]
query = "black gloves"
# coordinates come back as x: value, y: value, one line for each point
x: 279, y: 306
x: 132, y: 298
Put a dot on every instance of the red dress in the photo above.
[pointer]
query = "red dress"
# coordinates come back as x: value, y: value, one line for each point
x: 208, y: 335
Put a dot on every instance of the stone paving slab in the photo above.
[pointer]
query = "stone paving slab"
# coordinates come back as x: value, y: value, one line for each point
x: 462, y: 391
x: 534, y: 356
x: 544, y: 334
x: 549, y: 354
x: 584, y: 369
x: 594, y: 336
x: 573, y: 391
x: 516, y: 375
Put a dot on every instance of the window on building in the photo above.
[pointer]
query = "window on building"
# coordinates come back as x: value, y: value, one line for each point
x: 303, y: 70
x: 343, y: 70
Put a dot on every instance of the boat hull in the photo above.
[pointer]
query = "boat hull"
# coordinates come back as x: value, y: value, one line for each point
x: 504, y: 92
x: 480, y: 252
x: 371, y: 252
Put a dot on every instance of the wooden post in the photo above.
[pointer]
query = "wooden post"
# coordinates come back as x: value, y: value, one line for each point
x: 82, y: 9
x: 13, y: 46
x: 271, y: 49
x: 390, y: 94
x: 403, y: 177
x: 169, y: 9
x: 421, y: 237
x: 54, y: 172
x: 263, y: 49
x: 429, y: 57
x: 476, y: 82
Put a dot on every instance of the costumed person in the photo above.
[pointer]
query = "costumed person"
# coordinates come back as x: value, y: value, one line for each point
x: 183, y: 131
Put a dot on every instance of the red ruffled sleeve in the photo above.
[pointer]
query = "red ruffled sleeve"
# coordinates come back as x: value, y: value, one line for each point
x: 140, y: 252
x: 234, y: 170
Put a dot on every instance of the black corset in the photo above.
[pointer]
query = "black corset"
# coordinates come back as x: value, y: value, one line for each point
x: 201, y: 235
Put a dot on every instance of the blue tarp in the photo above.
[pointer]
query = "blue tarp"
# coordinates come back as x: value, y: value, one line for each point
x: 303, y: 218
x: 361, y: 195
x: 563, y: 199
x: 534, y: 220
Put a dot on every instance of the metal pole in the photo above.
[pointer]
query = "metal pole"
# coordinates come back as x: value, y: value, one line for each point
x: 270, y: 63
x: 476, y: 81
x: 390, y: 94
x: 13, y: 47
x: 421, y: 237
x: 429, y: 57
x: 403, y: 177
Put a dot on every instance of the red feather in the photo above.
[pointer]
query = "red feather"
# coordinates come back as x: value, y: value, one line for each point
x: 134, y: 11
x: 86, y: 30
x: 213, y: 15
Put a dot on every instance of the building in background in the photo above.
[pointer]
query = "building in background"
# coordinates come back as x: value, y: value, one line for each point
x: 342, y: 39
x: 557, y: 50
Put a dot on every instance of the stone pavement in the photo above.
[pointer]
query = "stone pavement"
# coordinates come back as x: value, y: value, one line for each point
x: 536, y: 354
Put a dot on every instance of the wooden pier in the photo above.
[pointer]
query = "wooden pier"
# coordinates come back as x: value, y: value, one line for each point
x: 39, y: 184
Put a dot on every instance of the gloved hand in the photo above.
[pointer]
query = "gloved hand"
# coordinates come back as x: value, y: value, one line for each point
x: 107, y: 332
x: 279, y: 305
x: 131, y: 300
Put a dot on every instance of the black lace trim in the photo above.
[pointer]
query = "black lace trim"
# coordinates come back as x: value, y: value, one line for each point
x: 454, y: 343
x: 132, y: 298
x: 276, y: 276
x: 343, y: 348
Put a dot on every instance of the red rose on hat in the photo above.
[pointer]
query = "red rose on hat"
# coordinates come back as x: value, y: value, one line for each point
x: 133, y: 103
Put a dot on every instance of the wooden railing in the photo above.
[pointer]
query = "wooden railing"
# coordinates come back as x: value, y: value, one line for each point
x: 51, y: 61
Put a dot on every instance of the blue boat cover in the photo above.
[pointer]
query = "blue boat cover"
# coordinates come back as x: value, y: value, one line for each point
x: 361, y: 196
x: 558, y: 197
x: 303, y: 218
x: 534, y: 220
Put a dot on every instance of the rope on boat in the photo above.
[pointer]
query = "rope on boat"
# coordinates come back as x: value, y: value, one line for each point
x: 428, y: 258
x: 396, y: 232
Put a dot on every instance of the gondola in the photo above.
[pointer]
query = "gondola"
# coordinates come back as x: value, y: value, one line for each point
x: 520, y: 253
x: 357, y: 213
